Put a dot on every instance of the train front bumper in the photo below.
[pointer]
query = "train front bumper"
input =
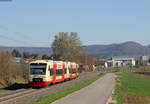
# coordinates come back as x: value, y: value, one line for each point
x: 39, y: 84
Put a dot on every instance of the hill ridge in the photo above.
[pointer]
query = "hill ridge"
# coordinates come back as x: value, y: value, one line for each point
x: 128, y: 48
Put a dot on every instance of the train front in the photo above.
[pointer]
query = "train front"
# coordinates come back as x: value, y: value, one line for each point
x: 37, y: 74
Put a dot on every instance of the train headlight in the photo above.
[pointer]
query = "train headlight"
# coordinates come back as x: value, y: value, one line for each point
x: 30, y: 78
x: 44, y: 79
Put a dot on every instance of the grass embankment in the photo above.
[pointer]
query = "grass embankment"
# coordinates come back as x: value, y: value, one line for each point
x: 55, y: 96
x: 132, y: 89
x: 3, y: 90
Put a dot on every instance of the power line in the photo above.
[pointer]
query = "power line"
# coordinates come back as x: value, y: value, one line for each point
x: 23, y: 36
x: 14, y: 32
x: 15, y: 40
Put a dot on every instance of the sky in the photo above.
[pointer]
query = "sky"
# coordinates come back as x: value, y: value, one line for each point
x: 36, y: 22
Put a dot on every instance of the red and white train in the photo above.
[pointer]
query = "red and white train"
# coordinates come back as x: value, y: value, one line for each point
x: 45, y: 72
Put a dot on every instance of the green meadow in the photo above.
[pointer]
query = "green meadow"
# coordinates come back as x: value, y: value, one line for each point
x: 132, y: 88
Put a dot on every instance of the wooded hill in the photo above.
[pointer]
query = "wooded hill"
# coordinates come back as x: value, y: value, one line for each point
x: 123, y: 49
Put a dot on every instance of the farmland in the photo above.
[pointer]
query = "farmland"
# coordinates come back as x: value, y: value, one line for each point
x: 132, y: 88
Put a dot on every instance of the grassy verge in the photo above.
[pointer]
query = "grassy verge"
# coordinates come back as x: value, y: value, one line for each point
x: 132, y: 89
x: 55, y: 96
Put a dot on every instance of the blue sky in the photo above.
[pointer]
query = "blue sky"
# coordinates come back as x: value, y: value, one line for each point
x: 35, y: 22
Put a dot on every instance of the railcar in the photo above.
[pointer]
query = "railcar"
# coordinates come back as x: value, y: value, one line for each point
x: 45, y: 72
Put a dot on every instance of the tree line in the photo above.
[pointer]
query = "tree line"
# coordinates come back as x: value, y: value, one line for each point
x: 16, y: 53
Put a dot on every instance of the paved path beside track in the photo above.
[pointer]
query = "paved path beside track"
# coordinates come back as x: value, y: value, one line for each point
x: 96, y: 93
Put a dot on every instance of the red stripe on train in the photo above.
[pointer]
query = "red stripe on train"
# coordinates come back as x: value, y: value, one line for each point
x: 41, y: 84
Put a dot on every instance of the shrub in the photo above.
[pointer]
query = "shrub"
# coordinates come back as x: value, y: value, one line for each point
x: 7, y: 69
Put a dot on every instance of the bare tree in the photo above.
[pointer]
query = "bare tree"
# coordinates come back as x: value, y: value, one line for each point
x: 67, y: 47
x: 7, y: 69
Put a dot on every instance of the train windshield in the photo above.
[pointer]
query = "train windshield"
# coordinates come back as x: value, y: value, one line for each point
x: 38, y: 68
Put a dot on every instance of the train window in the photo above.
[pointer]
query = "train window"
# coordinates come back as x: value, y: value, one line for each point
x: 59, y: 72
x: 51, y: 72
x: 65, y: 70
x: 74, y: 71
x: 38, y: 68
x: 69, y: 70
x: 38, y: 71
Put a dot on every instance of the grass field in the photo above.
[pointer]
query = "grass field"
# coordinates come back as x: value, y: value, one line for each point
x: 132, y: 89
x: 55, y: 96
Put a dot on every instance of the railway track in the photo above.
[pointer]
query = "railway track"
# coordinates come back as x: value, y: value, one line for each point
x: 6, y: 97
x: 11, y: 92
x: 10, y: 96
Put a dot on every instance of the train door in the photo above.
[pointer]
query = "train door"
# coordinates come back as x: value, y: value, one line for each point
x: 67, y: 71
x: 64, y: 71
x: 59, y: 72
x: 74, y: 70
x: 54, y: 72
x: 71, y: 71
x: 77, y: 70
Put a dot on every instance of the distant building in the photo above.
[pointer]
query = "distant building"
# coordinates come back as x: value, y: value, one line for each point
x: 17, y: 59
x: 120, y: 62
x: 26, y: 60
x: 144, y: 60
x: 101, y: 62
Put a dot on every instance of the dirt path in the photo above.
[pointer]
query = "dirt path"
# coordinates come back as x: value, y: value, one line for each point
x: 96, y: 93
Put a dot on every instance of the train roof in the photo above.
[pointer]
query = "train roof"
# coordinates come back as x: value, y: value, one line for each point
x: 50, y: 61
x: 41, y: 61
